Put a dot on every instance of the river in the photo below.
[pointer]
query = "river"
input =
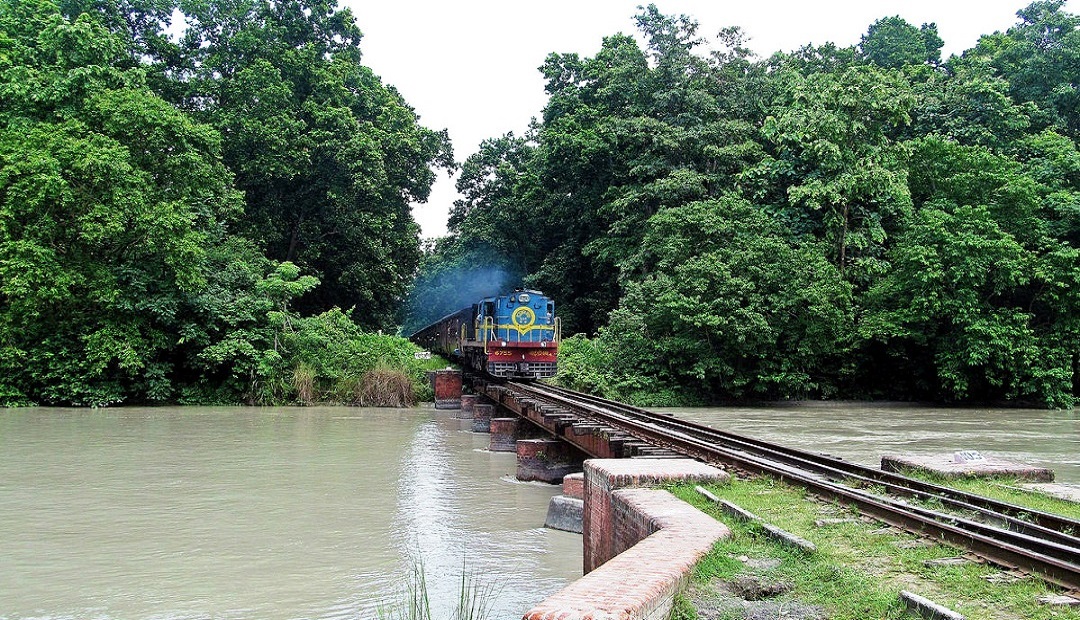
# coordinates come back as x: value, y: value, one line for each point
x: 183, y: 513
x: 864, y: 432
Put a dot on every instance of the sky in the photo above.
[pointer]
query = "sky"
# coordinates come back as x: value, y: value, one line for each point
x: 471, y: 66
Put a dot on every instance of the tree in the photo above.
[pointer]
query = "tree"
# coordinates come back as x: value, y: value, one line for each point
x: 955, y: 273
x: 732, y: 307
x: 971, y: 105
x: 1040, y: 59
x: 328, y: 157
x: 625, y: 135
x: 979, y: 302
x: 893, y: 43
x: 834, y: 156
x: 109, y: 200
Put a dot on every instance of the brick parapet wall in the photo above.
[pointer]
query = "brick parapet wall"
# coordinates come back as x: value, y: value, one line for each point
x: 652, y: 541
x: 605, y: 476
x: 573, y: 485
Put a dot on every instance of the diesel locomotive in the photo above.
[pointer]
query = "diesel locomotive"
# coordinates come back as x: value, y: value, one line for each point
x: 513, y: 335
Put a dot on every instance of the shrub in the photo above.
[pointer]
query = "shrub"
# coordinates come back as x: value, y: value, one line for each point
x: 328, y: 358
x: 303, y: 381
x: 385, y: 387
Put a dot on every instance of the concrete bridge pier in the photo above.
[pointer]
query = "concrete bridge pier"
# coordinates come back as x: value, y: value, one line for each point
x: 482, y: 417
x: 547, y: 460
x: 468, y: 402
x: 504, y: 434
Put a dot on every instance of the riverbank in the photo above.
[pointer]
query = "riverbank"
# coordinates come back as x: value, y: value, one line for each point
x: 858, y: 568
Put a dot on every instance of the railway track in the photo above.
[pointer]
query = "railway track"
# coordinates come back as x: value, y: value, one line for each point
x: 1003, y: 533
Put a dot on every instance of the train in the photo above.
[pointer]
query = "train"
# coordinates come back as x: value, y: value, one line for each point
x: 515, y: 335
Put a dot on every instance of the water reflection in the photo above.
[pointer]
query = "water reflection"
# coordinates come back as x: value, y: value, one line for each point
x: 256, y: 513
x: 463, y: 515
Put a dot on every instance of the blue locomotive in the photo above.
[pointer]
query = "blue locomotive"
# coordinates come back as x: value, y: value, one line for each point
x: 512, y: 335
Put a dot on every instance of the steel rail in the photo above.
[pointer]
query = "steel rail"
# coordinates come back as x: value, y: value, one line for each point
x: 1019, y: 518
x: 1054, y: 557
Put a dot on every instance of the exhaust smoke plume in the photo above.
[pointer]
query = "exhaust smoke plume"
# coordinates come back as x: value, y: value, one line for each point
x: 446, y: 285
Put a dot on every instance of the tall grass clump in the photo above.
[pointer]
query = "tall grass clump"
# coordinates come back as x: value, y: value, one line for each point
x: 303, y: 382
x: 474, y: 602
x: 385, y: 387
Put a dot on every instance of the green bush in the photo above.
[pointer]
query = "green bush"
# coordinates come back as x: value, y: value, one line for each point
x: 591, y: 365
x: 328, y: 358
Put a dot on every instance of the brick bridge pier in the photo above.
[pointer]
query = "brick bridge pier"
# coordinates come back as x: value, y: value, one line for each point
x: 640, y: 544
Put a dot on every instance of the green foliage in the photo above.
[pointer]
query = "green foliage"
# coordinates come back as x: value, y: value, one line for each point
x: 585, y: 366
x: 733, y: 308
x: 591, y: 365
x: 328, y: 357
x: 328, y: 157
x: 893, y: 43
x: 981, y: 286
x: 109, y: 199
x: 834, y: 157
x: 1038, y: 57
x: 122, y: 278
x: 860, y: 222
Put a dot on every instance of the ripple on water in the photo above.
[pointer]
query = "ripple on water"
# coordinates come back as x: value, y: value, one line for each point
x: 244, y: 513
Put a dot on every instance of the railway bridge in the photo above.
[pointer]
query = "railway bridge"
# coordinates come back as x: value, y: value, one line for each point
x: 571, y: 427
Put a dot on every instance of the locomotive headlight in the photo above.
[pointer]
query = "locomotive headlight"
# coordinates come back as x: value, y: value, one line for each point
x: 524, y: 297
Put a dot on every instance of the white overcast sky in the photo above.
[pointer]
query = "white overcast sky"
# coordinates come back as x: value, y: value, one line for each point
x: 471, y: 66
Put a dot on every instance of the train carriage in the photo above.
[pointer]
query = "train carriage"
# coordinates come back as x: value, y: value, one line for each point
x: 512, y: 335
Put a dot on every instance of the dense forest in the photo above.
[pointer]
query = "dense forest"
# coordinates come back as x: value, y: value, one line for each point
x: 872, y: 221
x: 184, y: 218
x: 221, y: 212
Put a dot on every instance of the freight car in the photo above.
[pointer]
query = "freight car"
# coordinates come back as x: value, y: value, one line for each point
x: 512, y: 335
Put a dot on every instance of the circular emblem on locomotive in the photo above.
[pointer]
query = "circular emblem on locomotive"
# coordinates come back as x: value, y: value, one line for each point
x: 523, y: 318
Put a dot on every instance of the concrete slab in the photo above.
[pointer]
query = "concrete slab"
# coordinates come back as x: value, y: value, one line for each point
x: 565, y: 513
x: 927, y: 608
x: 949, y: 465
x: 1070, y: 492
x: 1063, y: 600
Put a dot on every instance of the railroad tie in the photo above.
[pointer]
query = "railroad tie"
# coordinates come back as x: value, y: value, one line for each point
x: 741, y: 514
x: 927, y: 608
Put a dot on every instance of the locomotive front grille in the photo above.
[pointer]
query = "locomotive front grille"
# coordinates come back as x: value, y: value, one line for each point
x: 502, y: 369
x: 522, y: 369
x: 539, y: 369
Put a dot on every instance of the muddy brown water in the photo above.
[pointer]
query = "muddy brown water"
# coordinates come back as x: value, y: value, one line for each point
x: 185, y: 513
x: 863, y: 433
x: 171, y: 513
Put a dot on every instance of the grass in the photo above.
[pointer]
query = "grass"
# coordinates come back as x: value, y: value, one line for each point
x: 303, y: 380
x: 1005, y: 489
x: 385, y: 387
x: 860, y: 567
x: 475, y: 599
x: 382, y: 386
